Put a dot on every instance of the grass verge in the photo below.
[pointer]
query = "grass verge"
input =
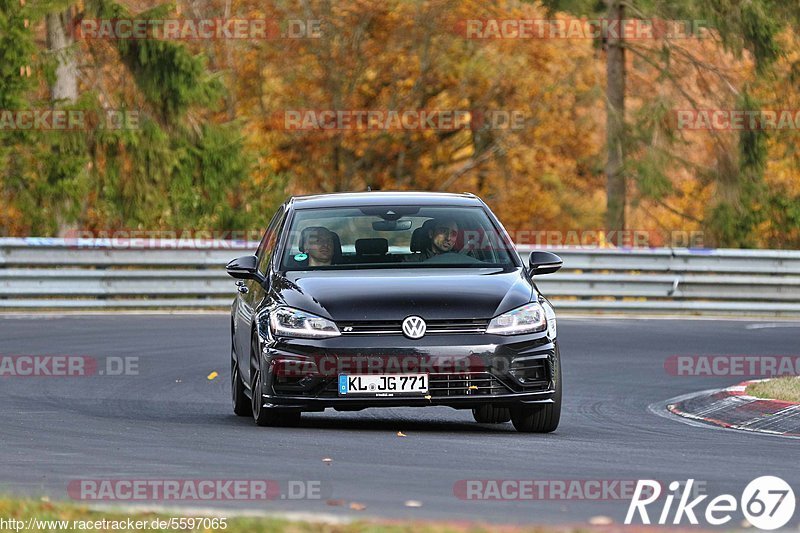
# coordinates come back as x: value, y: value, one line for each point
x: 29, y: 515
x: 785, y: 388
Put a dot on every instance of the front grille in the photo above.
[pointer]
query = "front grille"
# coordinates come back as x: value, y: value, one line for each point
x: 465, y: 384
x: 395, y: 327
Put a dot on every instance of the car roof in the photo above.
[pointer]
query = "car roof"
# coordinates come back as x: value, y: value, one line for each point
x: 361, y: 199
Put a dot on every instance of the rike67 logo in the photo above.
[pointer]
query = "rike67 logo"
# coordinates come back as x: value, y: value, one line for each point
x: 767, y: 503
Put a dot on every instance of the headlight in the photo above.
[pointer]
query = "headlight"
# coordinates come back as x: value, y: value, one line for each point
x: 550, y: 315
x: 289, y: 322
x: 526, y: 319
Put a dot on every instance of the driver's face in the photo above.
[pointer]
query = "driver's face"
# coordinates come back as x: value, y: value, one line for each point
x: 444, y: 237
x: 319, y: 246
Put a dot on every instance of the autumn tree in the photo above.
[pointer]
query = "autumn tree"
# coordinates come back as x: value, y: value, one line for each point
x: 636, y: 150
x: 412, y: 56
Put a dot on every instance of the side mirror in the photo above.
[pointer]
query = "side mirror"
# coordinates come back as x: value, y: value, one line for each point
x: 245, y: 267
x: 543, y: 263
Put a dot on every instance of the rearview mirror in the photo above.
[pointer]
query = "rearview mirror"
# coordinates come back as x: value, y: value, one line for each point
x: 245, y: 267
x: 391, y: 225
x: 541, y: 262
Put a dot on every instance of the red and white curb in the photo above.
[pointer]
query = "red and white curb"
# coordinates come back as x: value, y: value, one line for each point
x: 731, y: 408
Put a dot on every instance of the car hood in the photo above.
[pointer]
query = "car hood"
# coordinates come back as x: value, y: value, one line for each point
x: 393, y: 295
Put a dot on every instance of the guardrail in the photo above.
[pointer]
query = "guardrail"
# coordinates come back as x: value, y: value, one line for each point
x: 43, y: 273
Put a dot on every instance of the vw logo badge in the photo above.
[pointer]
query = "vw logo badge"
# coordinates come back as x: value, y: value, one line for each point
x: 414, y: 327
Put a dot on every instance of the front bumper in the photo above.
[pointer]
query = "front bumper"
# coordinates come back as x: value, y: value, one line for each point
x: 465, y: 370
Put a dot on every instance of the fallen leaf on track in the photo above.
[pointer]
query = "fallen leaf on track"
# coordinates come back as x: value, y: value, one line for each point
x: 357, y: 506
x: 401, y: 434
x: 413, y: 503
x: 212, y: 376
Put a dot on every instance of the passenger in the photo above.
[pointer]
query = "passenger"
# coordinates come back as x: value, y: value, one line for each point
x: 317, y: 243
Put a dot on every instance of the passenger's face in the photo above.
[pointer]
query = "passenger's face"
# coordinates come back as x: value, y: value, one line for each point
x: 444, y: 237
x: 319, y: 246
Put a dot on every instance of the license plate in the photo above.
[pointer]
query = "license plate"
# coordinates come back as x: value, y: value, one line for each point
x: 383, y: 384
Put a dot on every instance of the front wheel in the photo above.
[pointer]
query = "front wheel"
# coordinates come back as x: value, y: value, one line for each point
x: 241, y: 403
x: 540, y: 418
x: 489, y: 414
x: 268, y: 416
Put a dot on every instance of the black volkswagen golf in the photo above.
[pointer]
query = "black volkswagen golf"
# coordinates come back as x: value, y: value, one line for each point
x: 381, y: 299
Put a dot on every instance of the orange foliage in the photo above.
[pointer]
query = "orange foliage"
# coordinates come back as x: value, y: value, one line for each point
x: 410, y: 56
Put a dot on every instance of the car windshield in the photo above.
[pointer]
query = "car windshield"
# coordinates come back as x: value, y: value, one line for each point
x: 394, y: 237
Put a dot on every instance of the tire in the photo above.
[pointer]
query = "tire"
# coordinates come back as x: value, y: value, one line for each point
x: 542, y: 418
x: 241, y: 403
x: 489, y: 414
x: 266, y: 416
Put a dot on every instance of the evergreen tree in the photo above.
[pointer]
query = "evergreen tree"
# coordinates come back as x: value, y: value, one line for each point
x: 751, y: 26
x: 171, y: 166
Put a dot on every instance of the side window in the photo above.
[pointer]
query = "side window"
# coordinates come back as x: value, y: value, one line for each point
x: 267, y: 245
x: 262, y: 245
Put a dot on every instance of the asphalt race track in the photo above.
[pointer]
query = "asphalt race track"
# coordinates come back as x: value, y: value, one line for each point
x: 171, y: 421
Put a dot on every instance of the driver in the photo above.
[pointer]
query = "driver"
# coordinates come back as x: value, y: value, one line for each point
x: 441, y: 238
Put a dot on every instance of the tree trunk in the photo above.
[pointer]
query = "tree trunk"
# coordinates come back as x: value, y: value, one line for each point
x: 60, y: 43
x: 615, y: 121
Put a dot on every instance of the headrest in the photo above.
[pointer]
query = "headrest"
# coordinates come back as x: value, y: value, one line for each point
x: 372, y: 246
x: 420, y: 239
x: 337, y: 248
